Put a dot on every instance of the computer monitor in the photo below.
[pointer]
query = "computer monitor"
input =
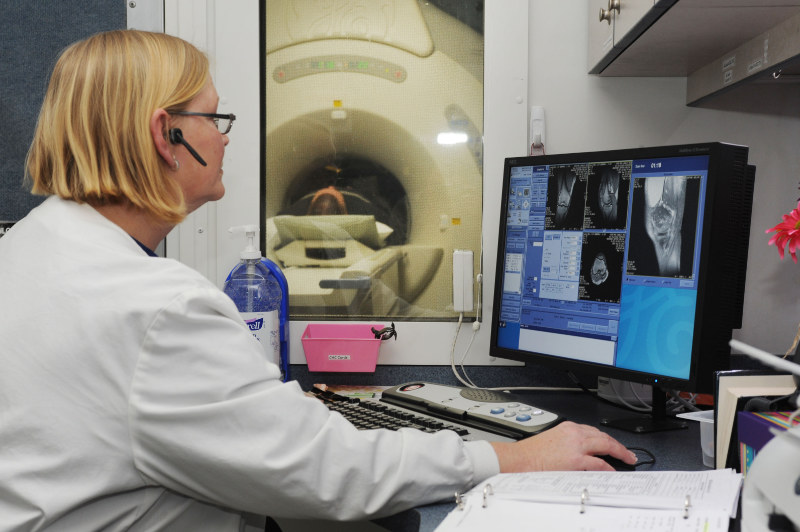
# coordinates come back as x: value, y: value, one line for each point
x: 628, y: 264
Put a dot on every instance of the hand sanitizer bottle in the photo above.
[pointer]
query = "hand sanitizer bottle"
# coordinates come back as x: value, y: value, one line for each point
x: 258, y: 295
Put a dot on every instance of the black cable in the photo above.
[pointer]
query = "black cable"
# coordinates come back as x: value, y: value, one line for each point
x: 651, y: 458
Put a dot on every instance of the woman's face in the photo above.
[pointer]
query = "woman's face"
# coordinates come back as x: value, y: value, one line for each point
x: 200, y: 183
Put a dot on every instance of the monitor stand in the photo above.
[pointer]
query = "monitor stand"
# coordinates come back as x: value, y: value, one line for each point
x: 655, y: 422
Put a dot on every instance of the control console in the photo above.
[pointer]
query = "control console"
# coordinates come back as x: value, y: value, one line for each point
x: 498, y: 412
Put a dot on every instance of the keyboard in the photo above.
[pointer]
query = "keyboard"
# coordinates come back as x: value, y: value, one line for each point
x: 474, y: 414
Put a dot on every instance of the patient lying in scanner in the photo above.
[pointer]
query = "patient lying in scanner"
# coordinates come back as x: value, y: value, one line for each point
x: 327, y: 201
x: 340, y: 263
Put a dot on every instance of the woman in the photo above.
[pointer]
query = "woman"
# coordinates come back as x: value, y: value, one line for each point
x: 132, y: 396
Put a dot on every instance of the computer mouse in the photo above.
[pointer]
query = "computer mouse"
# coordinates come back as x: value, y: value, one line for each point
x: 616, y: 463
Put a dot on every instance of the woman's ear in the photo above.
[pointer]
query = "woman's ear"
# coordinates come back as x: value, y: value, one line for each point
x: 159, y: 123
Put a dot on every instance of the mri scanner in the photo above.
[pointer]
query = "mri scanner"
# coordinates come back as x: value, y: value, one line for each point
x: 382, y: 100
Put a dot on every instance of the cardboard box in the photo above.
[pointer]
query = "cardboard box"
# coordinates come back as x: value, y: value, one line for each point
x: 755, y: 430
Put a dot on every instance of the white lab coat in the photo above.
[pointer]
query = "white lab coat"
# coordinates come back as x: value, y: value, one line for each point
x: 133, y: 397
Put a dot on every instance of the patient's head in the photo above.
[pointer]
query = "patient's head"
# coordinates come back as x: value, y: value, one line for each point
x: 327, y: 201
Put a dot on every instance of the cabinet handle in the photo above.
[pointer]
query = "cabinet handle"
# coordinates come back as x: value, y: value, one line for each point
x: 605, y: 14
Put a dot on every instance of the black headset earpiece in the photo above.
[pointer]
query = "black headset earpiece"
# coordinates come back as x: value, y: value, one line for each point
x: 176, y: 137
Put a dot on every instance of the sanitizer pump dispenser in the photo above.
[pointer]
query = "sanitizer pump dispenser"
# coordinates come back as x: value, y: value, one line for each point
x: 258, y: 288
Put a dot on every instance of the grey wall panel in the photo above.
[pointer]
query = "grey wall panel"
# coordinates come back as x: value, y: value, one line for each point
x: 31, y: 36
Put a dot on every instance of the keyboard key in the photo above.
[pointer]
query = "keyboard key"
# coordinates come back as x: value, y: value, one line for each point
x: 370, y: 415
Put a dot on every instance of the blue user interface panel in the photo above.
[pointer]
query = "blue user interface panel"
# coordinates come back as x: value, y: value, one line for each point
x: 601, y: 262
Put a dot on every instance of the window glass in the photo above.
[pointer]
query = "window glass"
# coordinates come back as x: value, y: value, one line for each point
x: 374, y: 120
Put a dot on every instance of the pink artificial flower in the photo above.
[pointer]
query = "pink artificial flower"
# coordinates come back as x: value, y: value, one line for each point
x: 787, y: 233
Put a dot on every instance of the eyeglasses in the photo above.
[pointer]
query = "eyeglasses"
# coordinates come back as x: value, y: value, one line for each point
x: 223, y: 122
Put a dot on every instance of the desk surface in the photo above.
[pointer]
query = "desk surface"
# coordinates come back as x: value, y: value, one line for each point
x: 674, y: 450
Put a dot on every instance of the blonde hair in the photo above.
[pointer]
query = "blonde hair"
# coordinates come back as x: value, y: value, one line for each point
x: 92, y: 141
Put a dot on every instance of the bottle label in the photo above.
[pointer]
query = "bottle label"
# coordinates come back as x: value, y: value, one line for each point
x: 265, y: 327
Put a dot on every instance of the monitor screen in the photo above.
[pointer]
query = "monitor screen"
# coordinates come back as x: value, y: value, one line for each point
x: 628, y: 264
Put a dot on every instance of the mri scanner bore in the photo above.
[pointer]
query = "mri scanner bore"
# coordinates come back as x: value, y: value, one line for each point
x: 374, y: 120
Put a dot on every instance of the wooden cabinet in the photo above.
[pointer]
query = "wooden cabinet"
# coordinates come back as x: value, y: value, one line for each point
x: 615, y: 24
x: 629, y: 15
x: 601, y: 34
x: 716, y: 44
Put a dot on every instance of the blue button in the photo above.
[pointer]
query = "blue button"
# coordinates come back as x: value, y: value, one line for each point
x: 523, y: 417
x: 498, y: 410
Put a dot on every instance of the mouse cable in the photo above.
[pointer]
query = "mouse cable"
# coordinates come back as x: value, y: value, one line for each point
x: 651, y: 458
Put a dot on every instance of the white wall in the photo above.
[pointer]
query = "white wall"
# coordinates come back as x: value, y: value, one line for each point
x: 586, y: 113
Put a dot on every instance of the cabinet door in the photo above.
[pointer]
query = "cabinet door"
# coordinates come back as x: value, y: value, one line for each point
x: 630, y: 12
x: 601, y: 33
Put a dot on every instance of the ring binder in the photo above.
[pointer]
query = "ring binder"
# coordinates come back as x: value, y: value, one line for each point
x: 585, y: 501
x: 609, y: 502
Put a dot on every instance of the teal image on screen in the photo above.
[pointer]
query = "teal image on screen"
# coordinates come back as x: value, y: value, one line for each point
x: 656, y: 330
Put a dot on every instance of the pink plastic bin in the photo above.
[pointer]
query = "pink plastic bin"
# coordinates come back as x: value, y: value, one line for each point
x: 341, y: 347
